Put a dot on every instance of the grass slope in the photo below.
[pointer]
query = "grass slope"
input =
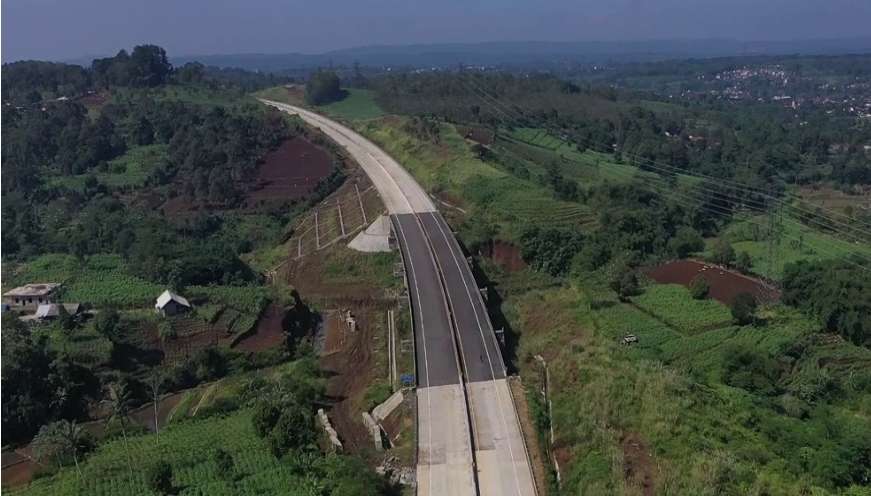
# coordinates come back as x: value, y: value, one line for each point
x: 497, y: 197
x: 705, y: 437
x: 359, y: 104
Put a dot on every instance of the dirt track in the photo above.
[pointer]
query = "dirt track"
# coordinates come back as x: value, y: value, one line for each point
x: 352, y: 369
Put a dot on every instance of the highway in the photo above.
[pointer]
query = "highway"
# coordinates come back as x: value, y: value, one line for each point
x: 469, y: 437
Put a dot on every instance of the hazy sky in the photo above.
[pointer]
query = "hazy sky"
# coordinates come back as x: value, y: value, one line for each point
x: 64, y: 29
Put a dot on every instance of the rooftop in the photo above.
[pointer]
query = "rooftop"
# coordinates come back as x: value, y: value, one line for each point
x: 168, y: 296
x: 35, y: 289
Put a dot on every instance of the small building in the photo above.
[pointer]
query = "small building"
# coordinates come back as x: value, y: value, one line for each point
x: 48, y: 311
x: 31, y: 296
x: 169, y: 303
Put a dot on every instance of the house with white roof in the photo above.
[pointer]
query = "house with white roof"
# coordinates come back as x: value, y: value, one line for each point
x: 169, y: 303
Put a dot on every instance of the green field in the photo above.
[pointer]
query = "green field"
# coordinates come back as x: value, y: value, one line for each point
x: 277, y: 94
x: 343, y: 265
x: 358, y: 105
x: 795, y: 242
x: 187, y: 446
x: 103, y: 280
x: 128, y: 170
x: 672, y: 305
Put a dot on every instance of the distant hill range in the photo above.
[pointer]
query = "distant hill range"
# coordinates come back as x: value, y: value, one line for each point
x: 533, y: 54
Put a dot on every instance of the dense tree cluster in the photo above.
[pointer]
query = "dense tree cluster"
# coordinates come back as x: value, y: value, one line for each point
x: 146, y: 66
x: 212, y: 156
x: 758, y: 145
x: 41, y: 385
x: 323, y: 87
x: 836, y: 292
x: 35, y: 82
x: 31, y: 81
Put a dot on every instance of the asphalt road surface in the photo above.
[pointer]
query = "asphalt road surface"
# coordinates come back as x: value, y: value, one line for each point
x: 463, y: 398
x: 434, y: 342
x: 481, y: 356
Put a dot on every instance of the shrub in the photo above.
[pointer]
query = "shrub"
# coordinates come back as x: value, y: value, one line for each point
x: 625, y: 283
x: 223, y: 463
x: 743, y: 308
x: 376, y: 394
x: 750, y: 370
x: 699, y: 288
x: 159, y: 478
x: 686, y: 241
x: 295, y: 429
x: 744, y: 263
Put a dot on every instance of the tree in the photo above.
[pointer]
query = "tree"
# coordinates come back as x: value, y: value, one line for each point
x: 550, y: 250
x: 149, y: 66
x: 75, y: 440
x: 749, y: 369
x: 60, y: 439
x: 699, y: 288
x: 159, y: 478
x: 323, y: 87
x: 119, y: 404
x: 744, y: 263
x: 744, y: 308
x: 39, y: 385
x: 47, y: 445
x: 67, y: 322
x: 155, y: 383
x: 723, y: 253
x: 106, y: 323
x: 686, y: 241
x: 294, y: 429
x: 624, y: 283
x: 835, y: 292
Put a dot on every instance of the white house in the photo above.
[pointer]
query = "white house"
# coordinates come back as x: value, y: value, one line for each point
x: 169, y: 303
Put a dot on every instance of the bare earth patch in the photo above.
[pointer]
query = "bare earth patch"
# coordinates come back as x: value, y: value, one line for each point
x: 637, y: 463
x: 725, y: 284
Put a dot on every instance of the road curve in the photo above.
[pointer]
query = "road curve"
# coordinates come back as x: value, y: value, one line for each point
x: 469, y: 437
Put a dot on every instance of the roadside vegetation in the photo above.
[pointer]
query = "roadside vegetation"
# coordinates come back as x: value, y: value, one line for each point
x: 126, y: 179
x: 656, y: 388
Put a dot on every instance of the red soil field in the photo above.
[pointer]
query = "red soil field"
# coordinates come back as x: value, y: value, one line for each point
x: 17, y: 469
x: 291, y: 171
x: 505, y: 255
x: 268, y: 333
x: 478, y: 135
x: 725, y: 284
x: 94, y: 99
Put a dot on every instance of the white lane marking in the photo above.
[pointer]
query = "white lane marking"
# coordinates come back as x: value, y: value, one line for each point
x: 423, y: 335
x: 489, y: 360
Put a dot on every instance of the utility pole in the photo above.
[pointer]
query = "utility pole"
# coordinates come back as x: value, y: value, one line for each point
x: 317, y: 233
x: 775, y: 223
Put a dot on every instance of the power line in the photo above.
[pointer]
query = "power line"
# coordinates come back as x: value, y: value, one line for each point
x: 710, y: 208
x: 493, y: 101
